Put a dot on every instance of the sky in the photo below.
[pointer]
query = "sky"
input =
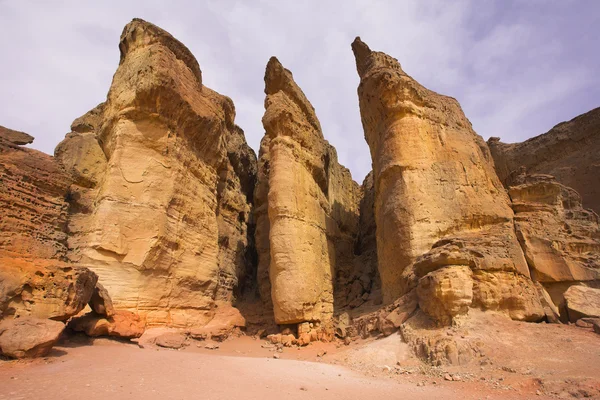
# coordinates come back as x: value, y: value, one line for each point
x: 517, y: 67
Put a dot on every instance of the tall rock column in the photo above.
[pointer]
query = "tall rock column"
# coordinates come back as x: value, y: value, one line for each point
x: 444, y: 221
x: 163, y: 192
x: 311, y: 205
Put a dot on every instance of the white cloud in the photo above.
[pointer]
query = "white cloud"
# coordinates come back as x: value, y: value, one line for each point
x: 516, y: 71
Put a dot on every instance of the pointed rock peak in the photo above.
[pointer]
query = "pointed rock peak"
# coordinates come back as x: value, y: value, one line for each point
x: 362, y: 52
x: 139, y: 33
x: 280, y: 79
x: 367, y: 59
x: 277, y: 77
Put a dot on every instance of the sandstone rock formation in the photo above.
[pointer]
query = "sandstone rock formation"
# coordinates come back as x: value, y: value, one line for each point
x: 227, y: 320
x: 43, y: 289
x: 582, y: 302
x: 561, y: 240
x: 163, y: 183
x: 306, y: 206
x: 385, y: 320
x: 158, y: 194
x: 570, y: 152
x: 33, y: 201
x: 15, y: 137
x: 100, y: 302
x: 28, y: 337
x: 444, y: 221
x: 34, y: 278
x: 122, y: 324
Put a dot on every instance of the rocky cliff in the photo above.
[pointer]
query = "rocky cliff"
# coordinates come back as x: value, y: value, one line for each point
x: 560, y: 238
x: 162, y: 199
x: 156, y: 191
x: 307, y: 206
x: 444, y: 222
x: 35, y: 279
x: 570, y: 152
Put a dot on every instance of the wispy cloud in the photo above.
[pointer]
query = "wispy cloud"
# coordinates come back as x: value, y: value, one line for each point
x: 517, y: 67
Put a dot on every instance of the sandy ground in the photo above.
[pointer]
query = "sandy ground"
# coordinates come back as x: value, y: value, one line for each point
x: 523, y: 361
x: 118, y: 371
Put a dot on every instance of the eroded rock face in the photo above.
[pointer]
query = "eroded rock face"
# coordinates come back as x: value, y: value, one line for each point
x: 33, y: 191
x: 43, y: 289
x: 446, y: 293
x: 582, y: 302
x: 162, y: 199
x: 28, y: 337
x: 560, y: 238
x: 570, y: 152
x: 35, y: 280
x: 438, y: 202
x: 307, y: 206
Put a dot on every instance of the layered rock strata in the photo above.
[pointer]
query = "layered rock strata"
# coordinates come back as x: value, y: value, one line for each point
x: 35, y: 279
x: 560, y: 238
x: 570, y: 152
x: 33, y: 195
x: 162, y: 199
x: 306, y: 206
x: 444, y: 221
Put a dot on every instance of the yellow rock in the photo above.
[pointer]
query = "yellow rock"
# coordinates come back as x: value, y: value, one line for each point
x: 160, y: 210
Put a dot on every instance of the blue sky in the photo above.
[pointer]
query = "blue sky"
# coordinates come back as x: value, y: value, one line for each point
x: 517, y: 67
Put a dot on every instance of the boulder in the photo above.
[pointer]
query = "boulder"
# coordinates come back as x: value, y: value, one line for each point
x: 44, y: 288
x: 100, y: 302
x: 587, y: 322
x: 446, y: 292
x: 171, y: 340
x: 307, y: 206
x: 164, y: 163
x: 581, y: 302
x: 121, y: 324
x: 226, y: 319
x: 28, y: 337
